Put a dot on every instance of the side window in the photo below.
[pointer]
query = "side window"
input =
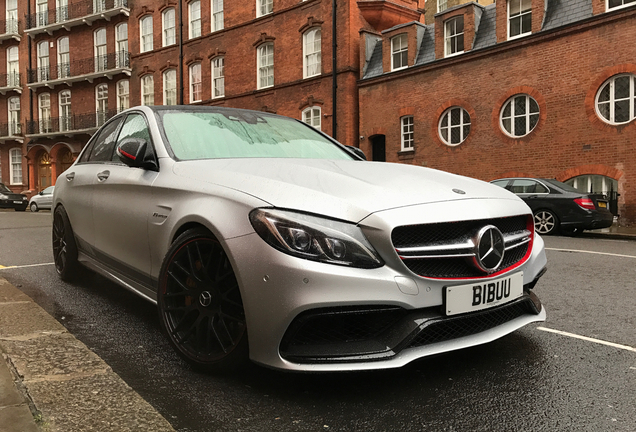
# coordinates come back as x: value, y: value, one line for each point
x: 135, y: 127
x: 102, y: 150
x: 501, y: 183
x: 89, y: 147
x: 527, y: 186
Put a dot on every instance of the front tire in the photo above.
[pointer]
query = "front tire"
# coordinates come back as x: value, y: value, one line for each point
x: 34, y: 207
x: 64, y: 246
x: 200, y: 305
x: 545, y: 222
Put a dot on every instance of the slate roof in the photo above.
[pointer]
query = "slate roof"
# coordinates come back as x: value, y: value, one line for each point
x: 559, y: 13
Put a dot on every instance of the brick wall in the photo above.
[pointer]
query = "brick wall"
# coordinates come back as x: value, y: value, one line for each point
x: 562, y: 71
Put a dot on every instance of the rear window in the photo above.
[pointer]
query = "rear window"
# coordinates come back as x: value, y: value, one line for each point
x: 244, y: 134
x: 563, y: 186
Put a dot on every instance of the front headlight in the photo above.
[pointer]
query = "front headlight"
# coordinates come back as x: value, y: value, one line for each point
x: 315, y: 238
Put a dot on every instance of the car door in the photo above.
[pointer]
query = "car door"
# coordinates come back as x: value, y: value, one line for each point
x: 78, y: 181
x: 122, y: 206
x: 47, y: 197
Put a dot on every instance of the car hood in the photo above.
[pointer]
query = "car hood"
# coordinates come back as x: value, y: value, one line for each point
x: 349, y: 190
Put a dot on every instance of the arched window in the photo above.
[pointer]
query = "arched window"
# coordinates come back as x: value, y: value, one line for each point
x: 195, y: 82
x: 312, y: 116
x: 218, y: 77
x: 519, y: 115
x: 63, y: 58
x: 44, y: 72
x: 101, y: 59
x: 101, y: 103
x: 15, y: 128
x: 312, y: 52
x: 145, y: 33
x: 169, y: 35
x: 15, y: 166
x: 147, y: 90
x: 121, y: 45
x: 616, y: 99
x: 454, y: 126
x: 170, y: 87
x: 44, y: 112
x: 13, y: 67
x: 265, y: 65
x: 64, y: 99
x: 123, y: 95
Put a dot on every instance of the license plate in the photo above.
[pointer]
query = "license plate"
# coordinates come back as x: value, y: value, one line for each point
x: 602, y: 204
x: 17, y: 202
x: 483, y: 295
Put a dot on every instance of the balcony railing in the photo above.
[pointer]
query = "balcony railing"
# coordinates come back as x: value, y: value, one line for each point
x: 78, y: 68
x: 69, y: 124
x: 12, y: 129
x: 73, y: 11
x: 10, y: 27
x: 11, y: 79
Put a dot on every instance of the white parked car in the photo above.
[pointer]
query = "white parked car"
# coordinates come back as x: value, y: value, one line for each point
x: 42, y: 200
x: 258, y: 236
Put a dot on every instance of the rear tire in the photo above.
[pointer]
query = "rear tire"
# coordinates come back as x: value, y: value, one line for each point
x: 64, y: 246
x: 545, y: 222
x: 200, y: 305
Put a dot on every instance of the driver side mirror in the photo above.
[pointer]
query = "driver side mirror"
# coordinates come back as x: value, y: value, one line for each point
x: 356, y: 151
x: 132, y: 152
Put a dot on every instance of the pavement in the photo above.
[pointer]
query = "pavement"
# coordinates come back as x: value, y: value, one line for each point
x: 50, y: 381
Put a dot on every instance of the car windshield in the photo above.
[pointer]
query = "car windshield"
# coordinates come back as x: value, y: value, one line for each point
x: 243, y: 134
x: 4, y: 189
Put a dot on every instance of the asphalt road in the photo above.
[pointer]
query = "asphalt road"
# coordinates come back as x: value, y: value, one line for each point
x: 532, y: 380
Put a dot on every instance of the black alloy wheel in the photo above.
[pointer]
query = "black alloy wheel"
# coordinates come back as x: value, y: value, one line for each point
x: 64, y: 246
x: 34, y: 207
x: 200, y: 303
x: 545, y: 222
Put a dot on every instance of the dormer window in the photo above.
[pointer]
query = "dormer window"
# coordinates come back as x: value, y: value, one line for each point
x: 399, y: 52
x: 454, y: 36
x: 519, y: 18
x: 615, y: 4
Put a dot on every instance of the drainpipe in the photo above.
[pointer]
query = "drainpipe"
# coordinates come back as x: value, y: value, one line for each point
x: 334, y: 85
x: 180, y: 53
x: 30, y: 60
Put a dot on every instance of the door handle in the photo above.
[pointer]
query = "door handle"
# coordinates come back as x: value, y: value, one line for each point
x: 103, y: 175
x: 70, y: 176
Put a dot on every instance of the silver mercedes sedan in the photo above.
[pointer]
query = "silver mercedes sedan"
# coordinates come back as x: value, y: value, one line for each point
x: 259, y: 237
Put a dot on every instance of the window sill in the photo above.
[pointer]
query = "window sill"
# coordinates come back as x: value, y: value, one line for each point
x: 406, y: 154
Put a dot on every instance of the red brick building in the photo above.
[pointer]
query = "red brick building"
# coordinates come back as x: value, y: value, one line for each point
x: 513, y: 88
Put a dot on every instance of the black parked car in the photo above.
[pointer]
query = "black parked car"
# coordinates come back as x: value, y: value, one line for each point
x: 559, y: 207
x: 9, y: 199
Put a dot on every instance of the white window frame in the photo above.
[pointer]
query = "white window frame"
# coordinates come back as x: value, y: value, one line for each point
x: 312, y: 52
x: 15, y: 128
x: 264, y: 7
x: 101, y: 104
x: 43, y: 62
x: 451, y: 34
x: 15, y: 166
x: 625, y: 3
x: 121, y: 45
x: 168, y: 23
x: 100, y: 47
x: 146, y: 42
x: 13, y: 66
x: 218, y: 77
x: 399, y: 49
x: 265, y: 68
x: 147, y: 90
x: 407, y: 133
x: 519, y: 16
x: 170, y: 87
x: 42, y: 13
x: 442, y: 5
x: 12, y: 17
x: 217, y: 15
x: 196, y: 82
x: 44, y: 112
x: 194, y: 19
x: 313, y: 116
x: 61, y: 10
x: 65, y: 110
x: 611, y: 82
x: 450, y: 126
x: 529, y: 115
x: 123, y: 95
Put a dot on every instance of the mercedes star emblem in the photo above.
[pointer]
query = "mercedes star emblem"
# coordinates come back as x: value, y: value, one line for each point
x: 489, y: 248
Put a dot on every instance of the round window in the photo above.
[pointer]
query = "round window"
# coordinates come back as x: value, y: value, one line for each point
x: 519, y: 115
x: 454, y: 126
x: 616, y: 99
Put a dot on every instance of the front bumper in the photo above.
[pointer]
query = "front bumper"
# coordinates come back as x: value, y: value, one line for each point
x: 279, y: 291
